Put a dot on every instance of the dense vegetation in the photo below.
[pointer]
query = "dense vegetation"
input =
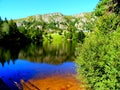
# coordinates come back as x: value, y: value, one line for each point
x: 34, y: 29
x: 55, y: 52
x: 10, y: 33
x: 99, y: 59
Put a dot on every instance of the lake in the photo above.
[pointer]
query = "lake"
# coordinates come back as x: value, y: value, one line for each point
x: 37, y: 62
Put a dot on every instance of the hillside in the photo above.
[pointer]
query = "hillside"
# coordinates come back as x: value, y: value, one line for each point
x: 56, y: 21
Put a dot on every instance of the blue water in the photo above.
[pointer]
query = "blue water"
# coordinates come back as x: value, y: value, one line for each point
x: 26, y: 70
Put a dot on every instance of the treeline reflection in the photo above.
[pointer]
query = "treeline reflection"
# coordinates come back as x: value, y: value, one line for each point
x: 45, y: 53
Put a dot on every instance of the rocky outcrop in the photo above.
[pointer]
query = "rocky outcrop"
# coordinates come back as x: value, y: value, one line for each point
x: 54, y: 21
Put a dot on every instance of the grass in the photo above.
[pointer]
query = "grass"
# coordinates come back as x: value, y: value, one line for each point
x: 56, y: 39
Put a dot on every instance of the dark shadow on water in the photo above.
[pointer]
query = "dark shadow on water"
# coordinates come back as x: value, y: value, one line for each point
x: 40, y: 53
x: 10, y: 52
x: 3, y: 86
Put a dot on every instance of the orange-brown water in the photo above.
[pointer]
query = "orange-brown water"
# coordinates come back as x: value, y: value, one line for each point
x: 54, y: 83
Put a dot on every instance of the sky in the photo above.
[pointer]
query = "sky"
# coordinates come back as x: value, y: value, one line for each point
x: 15, y: 9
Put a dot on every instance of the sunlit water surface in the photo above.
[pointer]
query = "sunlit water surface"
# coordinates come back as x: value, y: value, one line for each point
x: 26, y: 70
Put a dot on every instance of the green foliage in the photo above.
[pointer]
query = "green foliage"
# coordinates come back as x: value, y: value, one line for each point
x: 107, y: 23
x: 102, y: 7
x: 107, y: 6
x: 9, y: 33
x: 5, y: 28
x: 88, y: 23
x: 99, y: 61
x: 1, y: 21
x: 71, y: 30
x: 36, y: 36
x: 74, y: 34
x: 80, y: 36
x: 60, y: 32
x: 99, y: 57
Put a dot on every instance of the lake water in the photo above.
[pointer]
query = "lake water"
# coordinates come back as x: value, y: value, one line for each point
x: 36, y: 61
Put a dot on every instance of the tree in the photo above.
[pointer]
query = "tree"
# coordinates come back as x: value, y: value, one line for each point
x: 107, y: 23
x: 99, y: 56
x: 1, y: 21
x: 6, y: 20
x: 107, y: 6
x: 80, y: 36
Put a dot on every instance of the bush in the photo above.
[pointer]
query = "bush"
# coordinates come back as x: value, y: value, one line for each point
x: 107, y: 23
x: 99, y: 61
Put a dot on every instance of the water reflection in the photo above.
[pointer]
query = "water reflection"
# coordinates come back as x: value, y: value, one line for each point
x: 36, y: 61
x: 26, y: 70
x: 47, y: 53
x: 8, y: 53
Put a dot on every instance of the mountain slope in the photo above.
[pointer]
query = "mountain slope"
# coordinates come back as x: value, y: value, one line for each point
x: 55, y: 21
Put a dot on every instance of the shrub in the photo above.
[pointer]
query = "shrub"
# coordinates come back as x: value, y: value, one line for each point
x: 99, y: 61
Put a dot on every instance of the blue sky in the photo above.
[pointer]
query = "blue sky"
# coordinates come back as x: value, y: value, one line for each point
x: 13, y: 9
